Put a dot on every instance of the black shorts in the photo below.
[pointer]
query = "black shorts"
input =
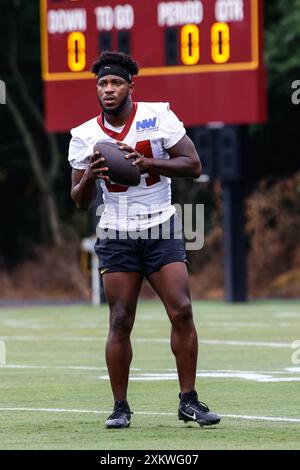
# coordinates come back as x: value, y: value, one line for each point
x: 145, y: 251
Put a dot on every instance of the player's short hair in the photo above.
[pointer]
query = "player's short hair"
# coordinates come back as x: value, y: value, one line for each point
x: 116, y: 58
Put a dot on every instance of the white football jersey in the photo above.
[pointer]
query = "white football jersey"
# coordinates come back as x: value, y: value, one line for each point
x: 152, y: 128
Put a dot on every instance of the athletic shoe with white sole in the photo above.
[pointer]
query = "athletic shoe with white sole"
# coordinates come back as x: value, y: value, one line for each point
x: 120, y: 417
x: 190, y: 409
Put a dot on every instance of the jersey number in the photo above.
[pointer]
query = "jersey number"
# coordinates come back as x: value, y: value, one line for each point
x: 144, y: 147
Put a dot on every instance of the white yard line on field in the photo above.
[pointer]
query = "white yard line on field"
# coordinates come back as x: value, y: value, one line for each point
x: 27, y: 325
x: 263, y: 418
x: 158, y: 371
x: 286, y: 315
x: 50, y: 338
x: 25, y: 366
x: 153, y: 375
x: 293, y: 369
x: 280, y: 379
x: 246, y: 324
x: 163, y: 372
x: 264, y: 344
x: 256, y: 377
x: 145, y: 413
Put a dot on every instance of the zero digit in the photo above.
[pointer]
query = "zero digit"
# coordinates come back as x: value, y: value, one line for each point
x: 220, y: 43
x: 76, y: 51
x: 190, y: 44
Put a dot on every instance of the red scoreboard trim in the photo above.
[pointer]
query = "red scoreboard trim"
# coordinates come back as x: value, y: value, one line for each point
x: 231, y: 93
x: 158, y: 71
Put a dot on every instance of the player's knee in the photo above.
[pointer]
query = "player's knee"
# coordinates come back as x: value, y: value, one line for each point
x: 182, y: 316
x: 120, y: 323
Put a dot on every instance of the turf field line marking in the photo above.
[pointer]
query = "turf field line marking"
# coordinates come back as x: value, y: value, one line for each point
x: 32, y: 325
x: 50, y: 338
x: 37, y: 326
x: 246, y: 324
x: 147, y: 340
x: 169, y: 373
x: 53, y: 410
x: 280, y: 379
x: 246, y: 343
x: 24, y: 366
x: 262, y: 418
x: 286, y: 314
x: 150, y: 377
x: 146, y: 413
x: 222, y: 342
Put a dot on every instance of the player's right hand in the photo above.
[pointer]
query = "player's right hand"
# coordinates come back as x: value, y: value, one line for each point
x: 96, y: 169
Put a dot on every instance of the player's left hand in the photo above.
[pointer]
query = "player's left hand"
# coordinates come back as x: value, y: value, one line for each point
x: 141, y: 161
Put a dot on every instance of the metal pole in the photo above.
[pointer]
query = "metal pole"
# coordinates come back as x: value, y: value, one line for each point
x: 223, y: 153
x: 234, y: 242
x: 232, y: 164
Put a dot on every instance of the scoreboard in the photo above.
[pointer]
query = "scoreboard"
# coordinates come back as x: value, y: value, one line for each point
x: 204, y: 57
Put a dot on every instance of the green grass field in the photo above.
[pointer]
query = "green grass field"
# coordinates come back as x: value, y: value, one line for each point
x: 55, y: 393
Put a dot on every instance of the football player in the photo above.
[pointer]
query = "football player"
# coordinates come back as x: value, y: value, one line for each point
x: 156, y: 141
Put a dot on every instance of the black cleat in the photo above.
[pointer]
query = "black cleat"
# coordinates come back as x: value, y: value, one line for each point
x: 120, y: 417
x: 190, y: 409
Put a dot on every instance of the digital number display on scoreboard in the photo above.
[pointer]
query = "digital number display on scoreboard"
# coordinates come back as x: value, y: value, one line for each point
x: 204, y: 57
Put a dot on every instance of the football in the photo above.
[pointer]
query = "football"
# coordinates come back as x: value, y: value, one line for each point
x: 121, y: 170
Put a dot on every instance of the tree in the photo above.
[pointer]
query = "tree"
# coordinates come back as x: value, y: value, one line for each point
x: 273, y: 146
x: 26, y: 114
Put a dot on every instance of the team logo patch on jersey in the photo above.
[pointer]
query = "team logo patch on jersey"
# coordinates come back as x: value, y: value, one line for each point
x: 146, y: 124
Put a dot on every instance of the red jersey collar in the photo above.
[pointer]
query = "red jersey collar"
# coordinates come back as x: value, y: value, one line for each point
x: 118, y: 135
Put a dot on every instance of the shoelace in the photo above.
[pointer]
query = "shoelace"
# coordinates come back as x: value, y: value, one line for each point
x: 200, y: 404
x: 121, y: 410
